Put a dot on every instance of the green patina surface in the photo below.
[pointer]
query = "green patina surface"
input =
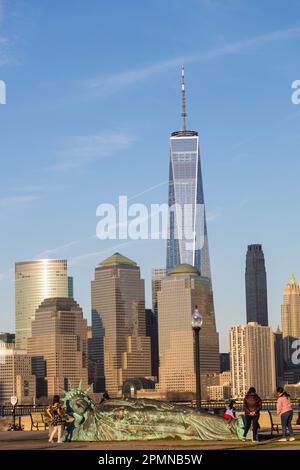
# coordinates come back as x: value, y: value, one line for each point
x: 142, y: 419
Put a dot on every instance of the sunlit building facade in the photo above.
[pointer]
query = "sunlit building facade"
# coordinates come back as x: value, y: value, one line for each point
x: 59, y: 335
x: 290, y: 317
x: 16, y: 378
x: 35, y: 281
x: 180, y: 291
x: 252, y: 360
x: 120, y: 349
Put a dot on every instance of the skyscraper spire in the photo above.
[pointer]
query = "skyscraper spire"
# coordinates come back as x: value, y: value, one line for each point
x: 183, y: 113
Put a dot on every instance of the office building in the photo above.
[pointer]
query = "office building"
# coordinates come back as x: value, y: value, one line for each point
x: 35, y: 281
x: 180, y: 291
x: 59, y: 335
x: 256, y: 286
x: 252, y: 360
x: 120, y: 348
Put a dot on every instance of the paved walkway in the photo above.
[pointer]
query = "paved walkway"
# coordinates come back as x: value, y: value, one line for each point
x: 38, y: 440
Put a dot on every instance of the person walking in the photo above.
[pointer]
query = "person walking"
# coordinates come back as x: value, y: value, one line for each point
x: 56, y: 415
x: 285, y: 411
x: 252, y: 407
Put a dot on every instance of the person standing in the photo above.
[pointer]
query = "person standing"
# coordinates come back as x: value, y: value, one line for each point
x: 285, y: 411
x: 252, y: 407
x: 55, y: 412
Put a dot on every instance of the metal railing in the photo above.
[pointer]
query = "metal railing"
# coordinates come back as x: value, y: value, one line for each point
x: 20, y: 410
x: 26, y: 410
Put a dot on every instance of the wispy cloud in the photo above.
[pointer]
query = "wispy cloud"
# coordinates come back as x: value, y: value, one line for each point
x: 51, y: 251
x: 99, y: 254
x: 17, y: 201
x: 105, y: 85
x: 214, y: 214
x: 83, y: 149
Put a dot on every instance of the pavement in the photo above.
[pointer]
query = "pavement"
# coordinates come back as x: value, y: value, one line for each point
x: 38, y: 440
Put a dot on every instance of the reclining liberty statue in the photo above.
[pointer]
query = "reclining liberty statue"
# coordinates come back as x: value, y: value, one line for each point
x: 141, y: 419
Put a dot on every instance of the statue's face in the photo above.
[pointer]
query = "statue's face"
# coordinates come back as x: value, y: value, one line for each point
x: 79, y: 404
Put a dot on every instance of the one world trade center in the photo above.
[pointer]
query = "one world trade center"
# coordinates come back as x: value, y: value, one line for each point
x: 187, y: 233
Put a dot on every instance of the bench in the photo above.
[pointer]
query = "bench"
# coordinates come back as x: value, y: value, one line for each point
x: 38, y: 421
x: 275, y: 422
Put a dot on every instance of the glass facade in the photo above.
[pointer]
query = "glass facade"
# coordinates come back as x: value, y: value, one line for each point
x: 256, y: 286
x: 187, y: 240
x: 34, y: 282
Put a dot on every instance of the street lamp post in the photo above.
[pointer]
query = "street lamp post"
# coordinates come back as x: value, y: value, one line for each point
x: 197, y: 322
x: 13, y: 426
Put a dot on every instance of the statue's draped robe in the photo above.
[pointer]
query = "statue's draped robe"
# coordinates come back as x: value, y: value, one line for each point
x: 117, y: 420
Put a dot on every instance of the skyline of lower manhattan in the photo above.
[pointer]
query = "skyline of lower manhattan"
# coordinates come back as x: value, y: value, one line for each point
x: 128, y: 348
x: 149, y: 262
x: 142, y: 251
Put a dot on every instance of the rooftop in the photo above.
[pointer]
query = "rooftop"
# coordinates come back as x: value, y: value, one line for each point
x: 184, y: 269
x: 116, y: 259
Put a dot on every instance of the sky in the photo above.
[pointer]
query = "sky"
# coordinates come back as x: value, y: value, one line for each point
x: 92, y: 95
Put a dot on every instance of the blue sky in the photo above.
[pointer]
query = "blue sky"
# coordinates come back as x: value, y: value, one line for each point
x: 93, y: 93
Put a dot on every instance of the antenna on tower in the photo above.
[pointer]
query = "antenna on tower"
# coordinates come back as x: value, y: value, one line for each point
x: 183, y: 113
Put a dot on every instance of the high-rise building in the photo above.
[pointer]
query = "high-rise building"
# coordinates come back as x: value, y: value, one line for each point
x: 152, y: 332
x: 34, y: 282
x: 252, y: 360
x: 279, y: 359
x: 180, y: 291
x: 70, y: 287
x: 290, y: 317
x: 224, y: 362
x: 16, y: 378
x: 59, y: 335
x: 120, y: 348
x: 187, y: 236
x: 256, y: 286
x: 7, y: 337
x: 157, y: 275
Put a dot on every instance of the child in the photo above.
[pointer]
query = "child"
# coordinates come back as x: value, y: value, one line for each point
x: 230, y: 412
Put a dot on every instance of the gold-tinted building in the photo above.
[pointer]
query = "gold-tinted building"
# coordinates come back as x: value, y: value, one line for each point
x: 119, y: 345
x: 180, y: 291
x: 252, y: 360
x: 59, y: 335
x: 34, y: 282
x: 290, y: 317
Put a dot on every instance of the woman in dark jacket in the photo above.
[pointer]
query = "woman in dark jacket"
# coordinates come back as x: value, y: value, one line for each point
x: 252, y: 407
